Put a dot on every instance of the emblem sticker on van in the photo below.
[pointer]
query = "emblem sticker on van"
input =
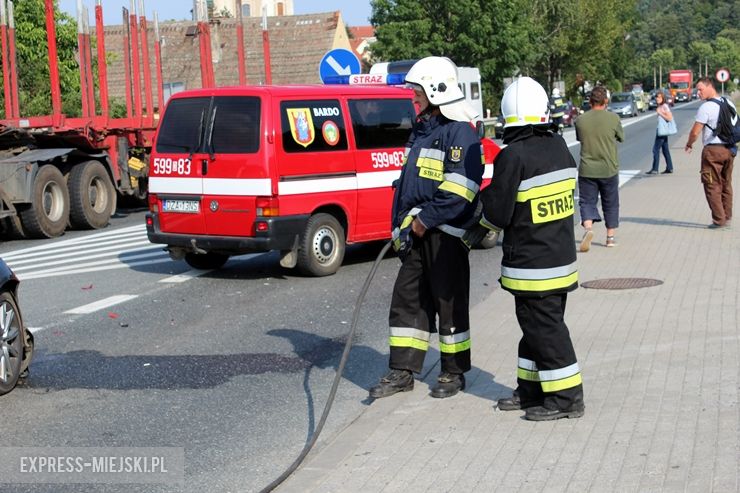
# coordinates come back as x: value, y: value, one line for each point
x: 301, y: 125
x: 330, y: 131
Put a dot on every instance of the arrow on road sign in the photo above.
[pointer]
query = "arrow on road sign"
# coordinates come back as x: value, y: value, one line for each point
x: 337, y: 67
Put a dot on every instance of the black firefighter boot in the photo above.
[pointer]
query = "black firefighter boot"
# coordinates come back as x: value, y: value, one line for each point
x: 448, y: 384
x: 395, y: 381
x: 542, y: 413
x: 514, y: 403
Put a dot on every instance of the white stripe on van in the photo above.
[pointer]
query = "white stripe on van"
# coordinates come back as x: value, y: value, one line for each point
x: 488, y: 172
x: 263, y: 186
x: 377, y: 179
x: 192, y: 186
x: 211, y: 186
x: 237, y: 186
x: 317, y: 185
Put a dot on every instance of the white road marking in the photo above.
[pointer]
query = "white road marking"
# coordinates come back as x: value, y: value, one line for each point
x: 118, y: 265
x: 65, y: 259
x: 53, y: 245
x: 185, y: 276
x: 99, y: 305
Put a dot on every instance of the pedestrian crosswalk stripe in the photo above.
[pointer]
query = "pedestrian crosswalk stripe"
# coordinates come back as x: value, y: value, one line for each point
x: 101, y: 304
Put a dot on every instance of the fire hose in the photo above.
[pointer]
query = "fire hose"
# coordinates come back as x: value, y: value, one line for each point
x: 340, y: 369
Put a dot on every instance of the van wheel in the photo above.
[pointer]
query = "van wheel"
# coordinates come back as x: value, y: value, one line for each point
x: 206, y: 261
x: 322, y: 245
x: 91, y: 195
x: 48, y: 213
x: 488, y: 241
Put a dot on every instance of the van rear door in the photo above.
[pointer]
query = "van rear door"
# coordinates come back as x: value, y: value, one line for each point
x: 237, y: 170
x: 174, y: 177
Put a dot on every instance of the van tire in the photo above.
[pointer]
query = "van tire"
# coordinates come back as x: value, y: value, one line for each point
x: 206, y: 261
x: 91, y: 195
x: 48, y: 213
x: 322, y: 246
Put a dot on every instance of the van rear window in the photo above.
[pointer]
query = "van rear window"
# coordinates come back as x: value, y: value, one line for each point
x: 223, y: 124
x: 381, y: 123
x: 236, y: 126
x: 180, y: 129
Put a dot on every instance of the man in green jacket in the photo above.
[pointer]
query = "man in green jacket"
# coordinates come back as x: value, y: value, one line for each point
x: 598, y: 173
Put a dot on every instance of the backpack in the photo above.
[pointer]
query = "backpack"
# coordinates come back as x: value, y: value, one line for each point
x: 728, y: 123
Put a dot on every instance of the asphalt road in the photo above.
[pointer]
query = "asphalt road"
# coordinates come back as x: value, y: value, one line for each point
x: 234, y: 366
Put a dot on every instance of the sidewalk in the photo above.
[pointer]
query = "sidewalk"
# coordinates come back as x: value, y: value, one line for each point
x: 661, y: 371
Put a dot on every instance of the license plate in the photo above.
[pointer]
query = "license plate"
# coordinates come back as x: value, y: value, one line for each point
x: 188, y: 206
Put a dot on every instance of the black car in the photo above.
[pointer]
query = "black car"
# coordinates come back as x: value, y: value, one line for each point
x: 16, y: 342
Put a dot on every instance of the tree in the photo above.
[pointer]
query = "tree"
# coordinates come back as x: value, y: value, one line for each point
x: 663, y: 59
x: 33, y: 61
x: 492, y: 35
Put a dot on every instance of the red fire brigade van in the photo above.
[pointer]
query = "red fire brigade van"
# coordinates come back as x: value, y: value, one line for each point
x: 300, y: 169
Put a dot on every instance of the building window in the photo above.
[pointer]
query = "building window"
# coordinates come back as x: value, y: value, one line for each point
x: 280, y: 8
x: 246, y: 10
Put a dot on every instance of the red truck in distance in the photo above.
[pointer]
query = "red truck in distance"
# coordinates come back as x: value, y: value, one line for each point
x: 680, y: 83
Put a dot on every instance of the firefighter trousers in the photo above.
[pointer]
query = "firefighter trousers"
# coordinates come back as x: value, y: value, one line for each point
x: 548, y: 371
x: 433, y: 282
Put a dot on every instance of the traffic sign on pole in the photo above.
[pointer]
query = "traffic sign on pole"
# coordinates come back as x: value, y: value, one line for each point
x: 723, y: 75
x: 338, y: 62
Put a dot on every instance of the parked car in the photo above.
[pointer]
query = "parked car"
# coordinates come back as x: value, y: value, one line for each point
x: 694, y: 94
x: 585, y: 106
x: 623, y: 104
x: 16, y: 342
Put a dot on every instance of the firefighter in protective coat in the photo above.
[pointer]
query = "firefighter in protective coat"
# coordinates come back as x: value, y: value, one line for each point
x: 434, y: 204
x: 531, y: 199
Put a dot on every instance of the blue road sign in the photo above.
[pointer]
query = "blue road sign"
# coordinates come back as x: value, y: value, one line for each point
x: 338, y: 62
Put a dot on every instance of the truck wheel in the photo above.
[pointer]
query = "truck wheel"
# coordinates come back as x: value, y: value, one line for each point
x: 91, y: 195
x: 206, y: 261
x: 488, y: 241
x: 11, y: 343
x: 48, y: 213
x: 322, y: 245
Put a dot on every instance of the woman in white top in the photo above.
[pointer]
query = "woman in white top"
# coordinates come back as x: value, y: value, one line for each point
x: 661, y: 141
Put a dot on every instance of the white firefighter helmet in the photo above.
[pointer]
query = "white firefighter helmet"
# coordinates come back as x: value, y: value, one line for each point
x: 555, y: 92
x: 525, y: 102
x: 437, y: 76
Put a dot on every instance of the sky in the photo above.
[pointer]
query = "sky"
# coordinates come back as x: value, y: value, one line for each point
x: 354, y: 12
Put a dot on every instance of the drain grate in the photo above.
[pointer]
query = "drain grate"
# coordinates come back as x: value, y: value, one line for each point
x: 622, y: 283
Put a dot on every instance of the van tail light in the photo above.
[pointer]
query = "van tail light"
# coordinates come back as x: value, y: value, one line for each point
x: 267, y: 206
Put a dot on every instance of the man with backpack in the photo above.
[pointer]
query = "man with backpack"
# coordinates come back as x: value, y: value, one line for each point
x: 715, y: 120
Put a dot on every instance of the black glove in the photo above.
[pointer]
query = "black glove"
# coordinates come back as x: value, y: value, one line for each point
x: 474, y: 235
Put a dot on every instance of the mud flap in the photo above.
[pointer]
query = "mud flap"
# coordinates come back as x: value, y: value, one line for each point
x: 289, y: 258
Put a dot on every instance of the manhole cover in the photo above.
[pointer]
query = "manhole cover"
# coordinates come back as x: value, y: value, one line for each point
x: 622, y: 283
